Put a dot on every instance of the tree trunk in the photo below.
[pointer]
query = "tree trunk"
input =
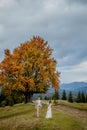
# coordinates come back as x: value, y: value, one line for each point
x: 28, y: 97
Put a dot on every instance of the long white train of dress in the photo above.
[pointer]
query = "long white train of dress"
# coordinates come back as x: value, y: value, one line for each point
x: 49, y: 112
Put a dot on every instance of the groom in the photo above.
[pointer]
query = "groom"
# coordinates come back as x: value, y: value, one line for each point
x: 38, y: 106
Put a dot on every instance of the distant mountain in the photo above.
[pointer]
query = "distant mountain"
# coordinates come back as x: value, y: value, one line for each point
x: 75, y: 87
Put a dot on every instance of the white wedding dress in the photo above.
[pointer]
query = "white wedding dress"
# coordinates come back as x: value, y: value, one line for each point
x: 49, y: 111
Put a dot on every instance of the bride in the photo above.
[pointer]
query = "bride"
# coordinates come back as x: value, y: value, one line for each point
x: 49, y: 111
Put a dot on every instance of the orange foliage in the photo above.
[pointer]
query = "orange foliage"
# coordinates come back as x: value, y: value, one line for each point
x: 30, y: 67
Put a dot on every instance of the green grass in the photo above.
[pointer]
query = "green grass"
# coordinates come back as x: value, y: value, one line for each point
x: 6, y: 112
x: 23, y: 117
x: 80, y: 106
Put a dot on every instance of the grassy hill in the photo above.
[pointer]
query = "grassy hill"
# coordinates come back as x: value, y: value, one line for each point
x: 23, y: 117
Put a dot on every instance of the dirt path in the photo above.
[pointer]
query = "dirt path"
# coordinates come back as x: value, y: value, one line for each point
x: 80, y: 114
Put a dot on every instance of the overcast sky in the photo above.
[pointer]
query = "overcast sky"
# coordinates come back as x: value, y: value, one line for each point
x: 63, y: 23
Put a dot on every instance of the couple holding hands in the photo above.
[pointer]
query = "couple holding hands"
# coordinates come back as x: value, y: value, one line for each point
x: 39, y: 105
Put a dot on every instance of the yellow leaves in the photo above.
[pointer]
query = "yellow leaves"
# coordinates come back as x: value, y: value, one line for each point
x: 31, y: 66
x: 21, y: 87
x: 40, y: 87
x: 7, y: 52
x: 18, y: 87
x: 31, y: 85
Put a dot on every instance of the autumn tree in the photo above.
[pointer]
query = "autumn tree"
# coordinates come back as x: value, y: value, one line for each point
x: 6, y: 77
x: 29, y: 69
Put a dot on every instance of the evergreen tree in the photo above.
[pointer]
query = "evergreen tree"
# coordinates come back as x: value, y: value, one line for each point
x: 56, y: 95
x: 86, y: 98
x: 83, y: 97
x: 79, y: 99
x: 64, y: 95
x: 70, y: 97
x: 46, y: 98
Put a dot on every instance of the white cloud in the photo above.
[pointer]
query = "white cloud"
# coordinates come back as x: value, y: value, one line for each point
x: 63, y: 23
x: 1, y: 31
x: 74, y: 73
x: 6, y: 3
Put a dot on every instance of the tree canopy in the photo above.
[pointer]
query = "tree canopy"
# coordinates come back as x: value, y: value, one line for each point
x: 29, y: 69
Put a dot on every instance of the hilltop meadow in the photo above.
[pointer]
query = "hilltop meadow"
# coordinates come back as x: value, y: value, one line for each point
x: 66, y: 116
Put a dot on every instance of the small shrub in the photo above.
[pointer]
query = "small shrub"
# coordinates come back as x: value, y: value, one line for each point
x: 3, y: 103
x: 9, y: 102
x: 55, y: 102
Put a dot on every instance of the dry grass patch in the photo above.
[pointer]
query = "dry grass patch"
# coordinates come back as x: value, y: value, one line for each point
x: 23, y: 117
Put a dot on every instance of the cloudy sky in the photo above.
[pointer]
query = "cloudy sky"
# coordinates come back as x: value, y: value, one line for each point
x: 63, y: 23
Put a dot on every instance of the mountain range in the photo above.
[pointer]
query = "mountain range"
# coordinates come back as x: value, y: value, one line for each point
x: 75, y: 87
